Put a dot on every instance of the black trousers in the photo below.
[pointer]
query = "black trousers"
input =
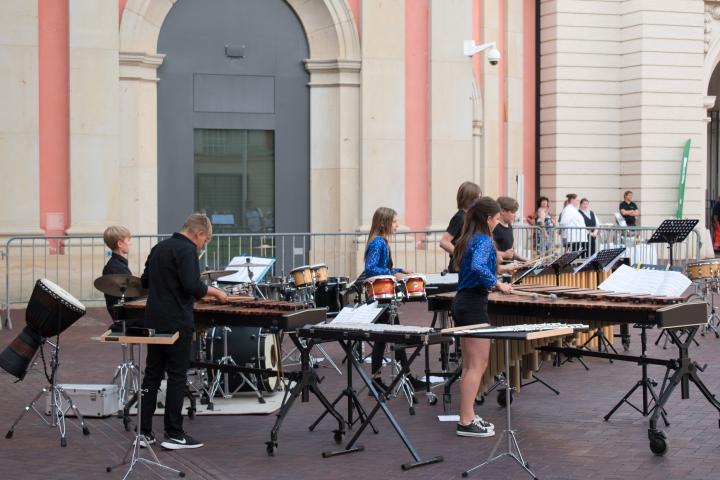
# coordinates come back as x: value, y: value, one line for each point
x: 175, y: 360
x: 378, y: 350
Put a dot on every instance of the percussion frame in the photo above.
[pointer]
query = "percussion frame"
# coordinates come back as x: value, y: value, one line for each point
x: 513, y: 448
x: 57, y: 394
x: 380, y: 399
x: 306, y: 382
x: 132, y: 455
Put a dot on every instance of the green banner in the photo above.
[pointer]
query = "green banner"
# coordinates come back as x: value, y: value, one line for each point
x: 683, y: 176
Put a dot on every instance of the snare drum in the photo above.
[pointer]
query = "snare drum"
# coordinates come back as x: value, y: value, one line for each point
x: 414, y: 287
x: 703, y: 269
x: 380, y: 288
x: 320, y: 272
x: 302, y: 276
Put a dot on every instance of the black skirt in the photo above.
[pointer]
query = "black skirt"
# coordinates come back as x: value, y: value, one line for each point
x: 470, y: 306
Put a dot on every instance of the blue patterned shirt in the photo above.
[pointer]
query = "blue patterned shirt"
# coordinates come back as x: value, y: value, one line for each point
x: 478, y: 265
x: 377, y: 259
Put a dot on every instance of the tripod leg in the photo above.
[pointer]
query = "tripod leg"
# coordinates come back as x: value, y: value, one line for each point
x: 78, y: 415
x: 30, y: 405
x: 622, y: 400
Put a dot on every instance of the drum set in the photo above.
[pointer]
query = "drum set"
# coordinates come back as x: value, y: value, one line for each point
x: 705, y: 275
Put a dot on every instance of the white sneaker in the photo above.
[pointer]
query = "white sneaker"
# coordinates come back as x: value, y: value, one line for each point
x: 484, y: 423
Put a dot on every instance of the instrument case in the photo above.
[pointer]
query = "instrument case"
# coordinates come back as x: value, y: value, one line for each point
x: 92, y: 400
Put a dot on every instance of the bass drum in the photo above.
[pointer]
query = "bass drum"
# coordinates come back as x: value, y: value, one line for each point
x: 249, y: 347
x: 330, y: 294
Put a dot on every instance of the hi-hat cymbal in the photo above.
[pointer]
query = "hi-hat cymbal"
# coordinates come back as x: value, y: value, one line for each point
x: 248, y: 265
x: 117, y: 284
x: 215, y: 274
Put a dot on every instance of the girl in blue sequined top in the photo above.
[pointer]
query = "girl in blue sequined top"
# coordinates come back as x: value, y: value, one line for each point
x: 475, y: 256
x: 378, y: 261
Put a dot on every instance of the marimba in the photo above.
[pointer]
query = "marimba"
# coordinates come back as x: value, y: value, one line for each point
x: 571, y: 305
x: 273, y: 315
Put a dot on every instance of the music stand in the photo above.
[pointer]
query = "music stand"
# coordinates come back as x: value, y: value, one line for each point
x: 673, y: 231
x: 140, y: 438
x: 560, y: 263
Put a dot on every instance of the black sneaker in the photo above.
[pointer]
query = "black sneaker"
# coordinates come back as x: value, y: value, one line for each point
x: 184, y: 441
x: 381, y: 387
x: 473, y: 429
x: 416, y: 383
x: 147, y: 439
x: 484, y: 423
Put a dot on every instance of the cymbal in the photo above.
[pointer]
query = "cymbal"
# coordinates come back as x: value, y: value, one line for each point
x: 117, y: 284
x: 248, y: 265
x: 215, y: 274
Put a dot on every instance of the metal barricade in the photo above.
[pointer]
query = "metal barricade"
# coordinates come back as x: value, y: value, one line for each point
x: 75, y: 261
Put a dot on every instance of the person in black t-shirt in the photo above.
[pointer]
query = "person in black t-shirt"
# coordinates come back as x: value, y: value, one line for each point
x: 117, y: 239
x: 628, y: 209
x: 468, y: 193
x: 503, y: 235
x: 172, y: 277
x: 716, y: 224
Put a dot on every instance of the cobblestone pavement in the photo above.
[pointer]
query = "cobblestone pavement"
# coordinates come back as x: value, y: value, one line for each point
x: 563, y: 437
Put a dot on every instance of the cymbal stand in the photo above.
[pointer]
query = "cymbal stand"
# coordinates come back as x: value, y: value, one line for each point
x: 253, y: 284
x: 226, y: 359
x: 128, y: 371
x: 60, y: 401
x: 713, y: 320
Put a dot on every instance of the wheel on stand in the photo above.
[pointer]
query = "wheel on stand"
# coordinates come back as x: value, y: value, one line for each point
x: 85, y: 430
x: 501, y: 398
x: 431, y: 398
x: 658, y: 442
x: 337, y: 436
x: 270, y: 448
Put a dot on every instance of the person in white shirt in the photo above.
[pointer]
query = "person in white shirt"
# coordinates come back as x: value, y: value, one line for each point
x: 573, y: 225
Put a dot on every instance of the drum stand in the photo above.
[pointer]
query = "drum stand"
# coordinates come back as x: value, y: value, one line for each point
x: 215, y: 385
x: 58, y: 396
x: 513, y: 449
x: 713, y: 320
x: 134, y: 448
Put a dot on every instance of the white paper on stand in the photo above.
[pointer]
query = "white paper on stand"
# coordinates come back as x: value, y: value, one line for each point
x: 242, y: 276
x: 651, y: 282
x: 363, y: 314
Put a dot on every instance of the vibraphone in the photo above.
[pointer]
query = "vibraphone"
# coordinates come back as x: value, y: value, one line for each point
x: 403, y: 336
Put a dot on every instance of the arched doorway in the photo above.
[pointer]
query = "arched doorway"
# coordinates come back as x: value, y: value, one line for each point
x: 233, y: 108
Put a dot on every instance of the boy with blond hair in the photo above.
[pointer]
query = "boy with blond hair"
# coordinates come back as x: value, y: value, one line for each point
x: 118, y: 240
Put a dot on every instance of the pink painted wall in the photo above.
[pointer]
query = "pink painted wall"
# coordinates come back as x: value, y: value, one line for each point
x: 529, y: 95
x: 355, y: 8
x: 502, y: 115
x: 54, y: 123
x: 417, y: 88
x: 121, y: 6
x: 478, y: 34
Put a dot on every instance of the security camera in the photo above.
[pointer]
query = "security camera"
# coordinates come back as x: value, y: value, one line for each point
x: 493, y: 56
x: 470, y: 49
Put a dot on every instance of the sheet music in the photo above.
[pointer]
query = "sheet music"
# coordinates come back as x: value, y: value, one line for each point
x: 241, y: 276
x: 438, y: 279
x: 364, y: 314
x: 651, y: 282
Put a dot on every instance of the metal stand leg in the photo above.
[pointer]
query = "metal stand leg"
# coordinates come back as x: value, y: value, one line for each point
x: 60, y: 403
x: 133, y: 452
x: 513, y: 449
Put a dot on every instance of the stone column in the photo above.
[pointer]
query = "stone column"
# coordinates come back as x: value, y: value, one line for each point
x: 138, y: 148
x: 383, y: 108
x: 451, y: 106
x: 95, y: 196
x: 19, y: 155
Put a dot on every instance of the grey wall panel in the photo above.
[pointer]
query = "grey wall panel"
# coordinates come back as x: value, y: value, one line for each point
x: 193, y: 38
x: 234, y: 93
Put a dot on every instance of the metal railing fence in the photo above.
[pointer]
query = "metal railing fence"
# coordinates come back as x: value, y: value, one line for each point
x: 75, y: 261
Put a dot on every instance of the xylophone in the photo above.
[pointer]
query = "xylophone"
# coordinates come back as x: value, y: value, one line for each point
x: 273, y: 315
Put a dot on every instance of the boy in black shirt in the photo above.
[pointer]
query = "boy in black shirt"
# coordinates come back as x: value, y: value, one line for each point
x: 172, y: 275
x: 628, y: 209
x: 503, y: 235
x: 117, y: 239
